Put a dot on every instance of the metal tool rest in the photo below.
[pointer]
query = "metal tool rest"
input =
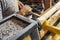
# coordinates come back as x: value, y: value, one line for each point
x: 30, y: 29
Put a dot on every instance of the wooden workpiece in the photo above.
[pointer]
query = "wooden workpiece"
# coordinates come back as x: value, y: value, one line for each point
x: 54, y: 18
x: 49, y: 13
x: 46, y: 16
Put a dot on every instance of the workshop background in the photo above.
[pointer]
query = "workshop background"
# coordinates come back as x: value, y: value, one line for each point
x: 29, y: 19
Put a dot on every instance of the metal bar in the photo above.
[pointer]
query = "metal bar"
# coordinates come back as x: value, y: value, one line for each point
x: 35, y: 35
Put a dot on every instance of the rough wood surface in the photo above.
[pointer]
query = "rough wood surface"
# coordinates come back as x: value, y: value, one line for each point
x: 54, y: 18
x: 49, y: 13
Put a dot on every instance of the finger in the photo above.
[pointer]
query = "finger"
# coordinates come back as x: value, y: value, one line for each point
x: 20, y: 4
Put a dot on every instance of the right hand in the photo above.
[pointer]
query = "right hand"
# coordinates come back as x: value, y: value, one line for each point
x: 20, y: 4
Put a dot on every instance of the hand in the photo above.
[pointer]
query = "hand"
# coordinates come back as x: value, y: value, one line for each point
x: 20, y: 4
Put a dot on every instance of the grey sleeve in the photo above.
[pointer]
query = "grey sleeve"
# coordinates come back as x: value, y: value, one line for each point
x: 10, y: 4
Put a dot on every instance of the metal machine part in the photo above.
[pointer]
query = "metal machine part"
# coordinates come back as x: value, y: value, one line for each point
x: 34, y: 17
x: 16, y: 26
x: 38, y: 24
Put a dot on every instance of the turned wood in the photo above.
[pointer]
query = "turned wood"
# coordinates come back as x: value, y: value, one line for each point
x: 49, y: 13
